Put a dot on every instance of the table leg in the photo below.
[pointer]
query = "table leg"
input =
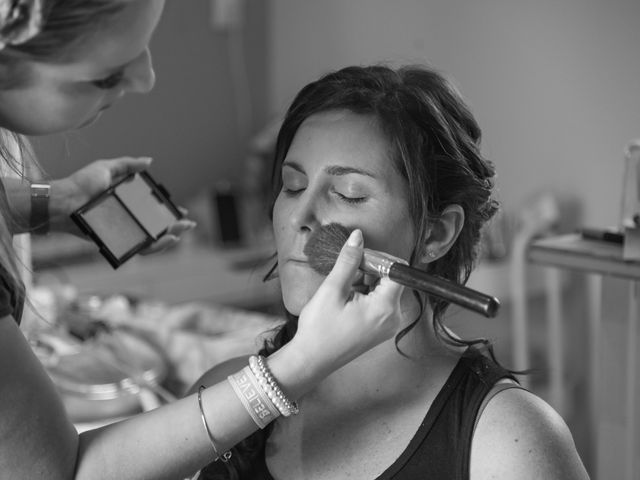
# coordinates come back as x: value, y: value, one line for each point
x: 594, y: 312
x: 555, y: 339
x: 519, y: 332
x: 632, y: 371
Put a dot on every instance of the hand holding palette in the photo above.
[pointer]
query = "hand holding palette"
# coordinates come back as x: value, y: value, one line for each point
x: 127, y: 217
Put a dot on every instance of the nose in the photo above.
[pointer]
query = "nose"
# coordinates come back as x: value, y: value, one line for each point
x: 305, y: 217
x: 140, y: 75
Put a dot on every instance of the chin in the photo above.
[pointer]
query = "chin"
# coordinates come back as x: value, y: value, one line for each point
x: 90, y: 121
x: 297, y: 292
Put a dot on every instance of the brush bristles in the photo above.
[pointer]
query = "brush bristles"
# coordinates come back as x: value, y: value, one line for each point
x: 324, y: 246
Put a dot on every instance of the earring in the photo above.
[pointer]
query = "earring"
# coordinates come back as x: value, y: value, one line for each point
x: 431, y: 254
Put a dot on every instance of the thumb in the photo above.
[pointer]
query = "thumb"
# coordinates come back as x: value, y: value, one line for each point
x: 347, y: 263
x: 121, y: 167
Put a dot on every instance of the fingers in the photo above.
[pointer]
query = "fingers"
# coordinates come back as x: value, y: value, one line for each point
x: 121, y: 167
x: 180, y: 227
x: 183, y: 211
x: 345, y: 269
x: 171, y: 238
x: 167, y: 241
x: 389, y: 290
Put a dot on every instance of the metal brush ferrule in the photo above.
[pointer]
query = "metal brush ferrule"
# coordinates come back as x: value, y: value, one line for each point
x: 378, y: 263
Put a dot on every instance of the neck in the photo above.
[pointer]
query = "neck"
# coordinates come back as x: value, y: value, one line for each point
x: 390, y: 367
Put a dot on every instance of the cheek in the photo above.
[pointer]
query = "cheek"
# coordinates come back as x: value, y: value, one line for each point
x: 56, y: 114
x: 395, y: 236
x: 69, y: 106
x: 278, y: 225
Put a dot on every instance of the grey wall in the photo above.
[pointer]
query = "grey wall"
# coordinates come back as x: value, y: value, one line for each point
x: 555, y: 84
x: 188, y: 122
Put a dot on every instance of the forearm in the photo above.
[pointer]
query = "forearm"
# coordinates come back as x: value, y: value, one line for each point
x: 171, y: 442
x: 63, y: 198
x: 166, y: 443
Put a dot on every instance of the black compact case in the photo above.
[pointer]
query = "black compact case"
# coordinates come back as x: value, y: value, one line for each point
x: 127, y: 217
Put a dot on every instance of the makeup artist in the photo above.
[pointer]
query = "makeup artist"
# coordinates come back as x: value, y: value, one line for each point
x: 61, y: 62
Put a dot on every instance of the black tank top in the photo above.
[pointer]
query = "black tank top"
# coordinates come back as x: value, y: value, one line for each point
x: 441, y: 448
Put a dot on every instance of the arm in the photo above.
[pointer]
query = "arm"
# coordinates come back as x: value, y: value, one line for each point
x: 219, y: 372
x: 72, y: 192
x: 38, y: 441
x: 521, y: 436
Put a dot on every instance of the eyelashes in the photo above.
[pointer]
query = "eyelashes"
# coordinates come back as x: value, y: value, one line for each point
x: 293, y: 192
x: 110, y: 82
x: 353, y: 200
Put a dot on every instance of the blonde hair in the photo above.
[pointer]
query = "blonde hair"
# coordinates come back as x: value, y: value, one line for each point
x: 16, y: 154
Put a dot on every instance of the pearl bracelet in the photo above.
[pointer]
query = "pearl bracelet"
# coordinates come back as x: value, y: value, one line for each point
x: 265, y: 379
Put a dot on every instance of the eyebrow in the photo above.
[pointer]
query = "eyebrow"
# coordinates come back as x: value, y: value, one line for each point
x: 335, y: 170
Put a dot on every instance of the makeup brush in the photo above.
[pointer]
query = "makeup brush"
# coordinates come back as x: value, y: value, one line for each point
x: 325, y: 244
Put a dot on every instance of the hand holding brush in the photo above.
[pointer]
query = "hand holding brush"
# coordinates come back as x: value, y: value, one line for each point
x: 324, y: 246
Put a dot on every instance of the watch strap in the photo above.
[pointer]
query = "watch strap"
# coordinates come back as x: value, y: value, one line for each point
x: 39, y: 221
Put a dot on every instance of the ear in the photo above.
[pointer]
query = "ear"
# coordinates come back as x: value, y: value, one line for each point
x: 443, y: 233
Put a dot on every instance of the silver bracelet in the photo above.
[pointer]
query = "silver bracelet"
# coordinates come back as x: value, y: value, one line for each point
x: 226, y: 455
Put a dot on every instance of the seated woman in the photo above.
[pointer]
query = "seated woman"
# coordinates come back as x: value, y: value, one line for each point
x: 396, y: 154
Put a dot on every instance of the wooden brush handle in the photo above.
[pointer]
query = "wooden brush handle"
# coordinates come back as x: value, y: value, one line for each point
x: 439, y: 287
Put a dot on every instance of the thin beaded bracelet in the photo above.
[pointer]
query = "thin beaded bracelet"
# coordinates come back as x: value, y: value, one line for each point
x: 263, y: 383
x: 265, y: 378
x: 226, y: 455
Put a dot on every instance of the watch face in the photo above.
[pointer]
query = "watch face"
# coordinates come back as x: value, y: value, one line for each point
x: 40, y: 189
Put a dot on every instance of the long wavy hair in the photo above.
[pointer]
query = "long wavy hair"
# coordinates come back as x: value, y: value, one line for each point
x: 434, y: 144
x: 66, y: 26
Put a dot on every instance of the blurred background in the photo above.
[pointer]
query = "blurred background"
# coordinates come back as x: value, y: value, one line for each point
x: 554, y: 85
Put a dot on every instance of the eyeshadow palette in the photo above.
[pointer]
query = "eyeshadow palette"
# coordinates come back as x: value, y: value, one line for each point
x: 127, y: 217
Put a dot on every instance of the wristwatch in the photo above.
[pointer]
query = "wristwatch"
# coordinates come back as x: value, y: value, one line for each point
x: 39, y: 220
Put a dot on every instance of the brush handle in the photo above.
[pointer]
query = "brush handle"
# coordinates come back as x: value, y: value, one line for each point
x: 439, y: 287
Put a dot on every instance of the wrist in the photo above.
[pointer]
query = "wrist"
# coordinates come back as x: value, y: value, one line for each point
x: 39, y: 211
x: 64, y: 199
x: 296, y: 370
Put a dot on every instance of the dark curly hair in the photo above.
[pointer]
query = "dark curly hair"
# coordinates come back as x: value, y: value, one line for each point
x: 434, y: 143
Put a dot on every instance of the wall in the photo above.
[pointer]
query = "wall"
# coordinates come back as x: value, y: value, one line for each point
x: 188, y: 123
x: 554, y: 83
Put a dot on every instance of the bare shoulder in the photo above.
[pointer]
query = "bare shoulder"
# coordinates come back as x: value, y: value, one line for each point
x: 520, y: 436
x: 220, y: 372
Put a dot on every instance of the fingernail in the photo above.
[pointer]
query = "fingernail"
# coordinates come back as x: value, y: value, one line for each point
x: 355, y: 239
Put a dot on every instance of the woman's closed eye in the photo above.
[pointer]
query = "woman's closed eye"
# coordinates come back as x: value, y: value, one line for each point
x: 293, y: 182
x: 290, y: 191
x: 350, y: 198
x: 112, y: 81
x: 349, y: 191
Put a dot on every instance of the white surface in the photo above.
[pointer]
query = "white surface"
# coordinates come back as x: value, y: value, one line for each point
x: 192, y: 273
